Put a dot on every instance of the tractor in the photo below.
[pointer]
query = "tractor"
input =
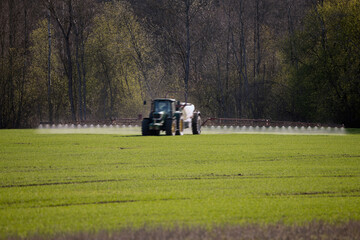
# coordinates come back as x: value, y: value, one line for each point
x: 172, y: 117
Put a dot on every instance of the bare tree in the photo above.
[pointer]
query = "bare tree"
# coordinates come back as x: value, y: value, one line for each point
x: 240, y: 54
x: 65, y: 25
x: 10, y: 77
x: 83, y: 14
x: 49, y: 90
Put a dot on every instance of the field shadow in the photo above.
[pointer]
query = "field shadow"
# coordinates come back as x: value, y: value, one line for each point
x: 312, y: 230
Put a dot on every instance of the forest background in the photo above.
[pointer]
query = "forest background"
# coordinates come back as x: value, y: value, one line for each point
x: 77, y: 60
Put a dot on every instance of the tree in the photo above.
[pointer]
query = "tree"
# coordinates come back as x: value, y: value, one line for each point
x: 62, y: 12
x: 325, y: 83
x: 49, y: 90
x: 113, y: 51
x: 100, y: 59
x: 38, y: 85
x: 176, y: 27
x: 17, y: 18
x: 84, y: 12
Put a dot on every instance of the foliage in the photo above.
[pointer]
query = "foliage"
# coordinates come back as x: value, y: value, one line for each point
x: 323, y: 64
x: 114, y: 74
x: 227, y: 57
x: 70, y: 183
x: 36, y: 87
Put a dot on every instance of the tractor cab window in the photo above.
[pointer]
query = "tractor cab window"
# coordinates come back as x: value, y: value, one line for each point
x: 162, y: 106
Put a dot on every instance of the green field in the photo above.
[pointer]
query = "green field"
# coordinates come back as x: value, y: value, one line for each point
x: 68, y: 183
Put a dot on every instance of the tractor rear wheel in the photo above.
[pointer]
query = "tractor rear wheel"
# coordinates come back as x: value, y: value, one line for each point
x: 145, y: 127
x: 170, y: 127
x: 179, y: 127
x: 196, y: 124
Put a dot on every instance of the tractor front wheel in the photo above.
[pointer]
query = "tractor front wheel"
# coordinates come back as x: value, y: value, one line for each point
x: 145, y: 127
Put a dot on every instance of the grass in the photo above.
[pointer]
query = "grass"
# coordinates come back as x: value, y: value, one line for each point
x: 54, y: 184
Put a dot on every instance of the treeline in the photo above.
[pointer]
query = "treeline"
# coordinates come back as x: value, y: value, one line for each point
x: 75, y: 60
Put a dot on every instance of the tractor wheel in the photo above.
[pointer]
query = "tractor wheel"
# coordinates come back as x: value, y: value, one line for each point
x: 145, y: 127
x: 196, y: 124
x: 170, y: 127
x: 179, y: 127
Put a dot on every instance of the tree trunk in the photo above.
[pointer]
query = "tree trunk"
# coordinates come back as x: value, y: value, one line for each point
x: 244, y: 62
x: 241, y: 62
x: 49, y: 72
x: 84, y: 75
x: 293, y: 57
x: 70, y: 78
x: 220, y: 87
x: 2, y: 69
x: 188, y: 48
x: 78, y: 71
x: 10, y: 80
x: 22, y: 81
x: 257, y: 53
x: 66, y: 35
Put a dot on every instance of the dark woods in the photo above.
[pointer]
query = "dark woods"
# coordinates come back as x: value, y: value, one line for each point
x: 75, y: 60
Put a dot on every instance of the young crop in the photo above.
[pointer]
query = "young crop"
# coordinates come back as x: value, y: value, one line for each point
x: 69, y: 183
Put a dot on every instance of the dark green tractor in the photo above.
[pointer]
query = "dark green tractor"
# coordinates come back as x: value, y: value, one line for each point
x: 172, y: 117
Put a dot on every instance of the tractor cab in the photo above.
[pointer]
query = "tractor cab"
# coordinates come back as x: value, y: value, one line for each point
x: 163, y: 106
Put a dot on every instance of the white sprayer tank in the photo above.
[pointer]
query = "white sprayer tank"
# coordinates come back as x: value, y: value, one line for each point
x: 188, y: 112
